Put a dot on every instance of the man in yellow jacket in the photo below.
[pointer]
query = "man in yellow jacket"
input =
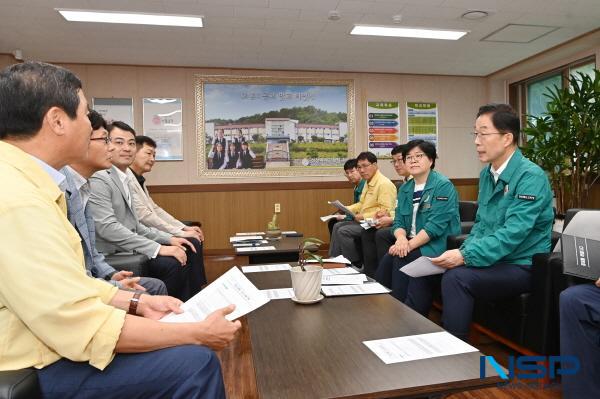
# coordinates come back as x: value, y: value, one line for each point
x: 379, y: 194
x: 72, y: 328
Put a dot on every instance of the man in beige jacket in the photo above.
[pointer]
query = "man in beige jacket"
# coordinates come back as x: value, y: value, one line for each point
x: 149, y: 213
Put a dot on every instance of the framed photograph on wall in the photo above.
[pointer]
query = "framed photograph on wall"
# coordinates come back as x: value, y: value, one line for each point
x: 267, y: 126
x: 163, y: 122
x: 114, y: 109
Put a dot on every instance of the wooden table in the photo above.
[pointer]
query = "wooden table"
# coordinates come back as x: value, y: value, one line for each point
x: 286, y: 250
x: 316, y: 351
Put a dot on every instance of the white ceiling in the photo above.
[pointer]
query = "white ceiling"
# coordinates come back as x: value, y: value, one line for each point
x: 293, y: 34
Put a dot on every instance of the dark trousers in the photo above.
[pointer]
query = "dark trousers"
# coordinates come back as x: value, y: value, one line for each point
x: 182, y: 372
x: 461, y: 286
x: 375, y: 244
x: 330, y: 224
x: 389, y: 274
x: 580, y: 337
x: 182, y: 282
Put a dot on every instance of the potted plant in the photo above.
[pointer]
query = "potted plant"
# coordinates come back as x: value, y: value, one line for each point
x: 306, y: 279
x: 273, y: 231
x: 565, y: 140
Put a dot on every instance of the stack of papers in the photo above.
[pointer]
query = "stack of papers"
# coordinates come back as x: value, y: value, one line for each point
x: 342, y: 208
x: 244, y: 238
x: 254, y: 233
x: 279, y: 293
x: 422, y: 266
x: 231, y: 288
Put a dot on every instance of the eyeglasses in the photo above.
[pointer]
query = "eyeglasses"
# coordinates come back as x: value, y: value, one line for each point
x: 105, y: 139
x: 395, y: 161
x: 416, y: 157
x: 482, y: 135
x: 120, y: 143
x: 364, y: 166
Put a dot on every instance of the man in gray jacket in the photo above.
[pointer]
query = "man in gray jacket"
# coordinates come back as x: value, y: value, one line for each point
x: 119, y: 230
x: 77, y: 194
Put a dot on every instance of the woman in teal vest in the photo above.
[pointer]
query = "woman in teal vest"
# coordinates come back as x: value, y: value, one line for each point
x: 426, y: 214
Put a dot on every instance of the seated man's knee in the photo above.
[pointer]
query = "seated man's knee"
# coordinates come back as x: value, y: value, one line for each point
x: 571, y: 297
x: 456, y: 275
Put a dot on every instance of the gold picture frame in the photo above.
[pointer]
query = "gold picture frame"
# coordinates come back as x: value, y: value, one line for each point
x: 316, y: 143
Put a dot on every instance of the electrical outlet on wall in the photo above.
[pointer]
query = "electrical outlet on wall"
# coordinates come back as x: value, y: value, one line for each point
x: 277, y: 208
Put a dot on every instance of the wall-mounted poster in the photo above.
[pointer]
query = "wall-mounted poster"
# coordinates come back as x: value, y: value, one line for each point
x: 114, y: 109
x: 384, y: 127
x: 263, y: 126
x: 163, y: 122
x: 422, y: 121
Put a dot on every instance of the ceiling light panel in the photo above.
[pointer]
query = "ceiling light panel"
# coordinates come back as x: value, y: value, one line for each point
x: 114, y: 17
x: 395, y: 31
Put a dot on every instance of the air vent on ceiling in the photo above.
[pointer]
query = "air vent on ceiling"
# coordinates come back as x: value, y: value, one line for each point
x: 518, y: 33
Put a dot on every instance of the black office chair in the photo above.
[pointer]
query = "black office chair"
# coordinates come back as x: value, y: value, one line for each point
x: 19, y: 384
x: 467, y: 211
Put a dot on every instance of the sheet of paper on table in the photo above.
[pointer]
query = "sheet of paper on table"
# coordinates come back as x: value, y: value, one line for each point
x: 362, y: 289
x: 416, y: 347
x: 279, y: 293
x: 244, y: 238
x: 266, y: 268
x: 252, y: 249
x: 342, y: 279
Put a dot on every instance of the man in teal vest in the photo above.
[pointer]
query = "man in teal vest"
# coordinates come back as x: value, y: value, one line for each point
x: 513, y: 222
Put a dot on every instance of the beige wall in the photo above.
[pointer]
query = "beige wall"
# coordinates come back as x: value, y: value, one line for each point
x: 457, y: 98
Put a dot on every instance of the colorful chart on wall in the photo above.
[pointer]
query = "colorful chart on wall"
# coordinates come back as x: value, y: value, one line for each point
x: 114, y: 109
x: 383, y: 118
x: 162, y: 121
x: 422, y: 121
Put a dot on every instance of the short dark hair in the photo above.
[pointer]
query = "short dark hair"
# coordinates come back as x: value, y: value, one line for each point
x: 398, y: 149
x: 427, y: 147
x: 29, y: 90
x: 369, y: 156
x: 141, y: 140
x: 121, y: 125
x: 350, y: 164
x: 97, y: 120
x: 504, y: 118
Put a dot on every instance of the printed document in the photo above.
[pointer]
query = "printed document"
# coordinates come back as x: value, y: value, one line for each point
x: 339, y: 270
x: 416, y: 347
x: 329, y: 217
x: 244, y: 238
x: 341, y: 207
x: 252, y: 249
x: 231, y: 287
x: 279, y: 293
x: 420, y: 267
x: 252, y: 233
x: 341, y: 279
x: 266, y: 268
x: 362, y: 289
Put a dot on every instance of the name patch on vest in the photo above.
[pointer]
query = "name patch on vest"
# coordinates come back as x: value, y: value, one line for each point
x: 526, y: 197
x: 441, y: 198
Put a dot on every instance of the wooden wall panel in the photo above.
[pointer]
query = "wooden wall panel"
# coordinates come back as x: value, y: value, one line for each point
x: 223, y: 213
